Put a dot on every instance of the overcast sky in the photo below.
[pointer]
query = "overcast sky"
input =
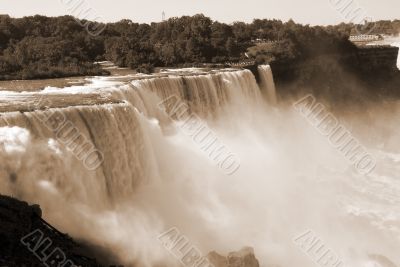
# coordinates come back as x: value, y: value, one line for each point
x: 303, y: 11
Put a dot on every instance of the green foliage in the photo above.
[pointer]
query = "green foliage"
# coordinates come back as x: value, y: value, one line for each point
x: 145, y: 68
x: 41, y: 47
x: 38, y: 46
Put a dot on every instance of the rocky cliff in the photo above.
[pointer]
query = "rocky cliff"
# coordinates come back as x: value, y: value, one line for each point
x: 27, y: 240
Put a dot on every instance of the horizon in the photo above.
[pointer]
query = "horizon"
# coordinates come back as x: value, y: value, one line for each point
x: 312, y: 12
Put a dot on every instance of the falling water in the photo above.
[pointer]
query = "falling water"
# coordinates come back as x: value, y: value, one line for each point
x: 398, y: 56
x: 267, y: 83
x: 153, y: 177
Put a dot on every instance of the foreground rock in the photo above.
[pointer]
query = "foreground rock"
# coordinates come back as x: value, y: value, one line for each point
x: 23, y: 233
x: 242, y: 258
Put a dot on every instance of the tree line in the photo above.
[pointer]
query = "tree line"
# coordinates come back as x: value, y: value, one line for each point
x: 43, y: 47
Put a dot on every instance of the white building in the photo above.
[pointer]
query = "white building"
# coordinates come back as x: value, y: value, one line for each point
x: 365, y: 38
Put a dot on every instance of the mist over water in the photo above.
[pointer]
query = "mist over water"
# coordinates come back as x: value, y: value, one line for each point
x: 155, y: 177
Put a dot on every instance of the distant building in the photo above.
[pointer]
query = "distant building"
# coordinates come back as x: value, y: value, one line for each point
x: 263, y: 41
x: 363, y: 38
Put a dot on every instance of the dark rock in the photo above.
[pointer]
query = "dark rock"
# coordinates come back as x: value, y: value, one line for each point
x: 217, y: 260
x: 17, y: 220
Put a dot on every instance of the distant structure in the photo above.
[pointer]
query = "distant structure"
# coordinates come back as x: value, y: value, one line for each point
x: 241, y: 64
x: 263, y: 41
x: 365, y: 38
x: 163, y: 16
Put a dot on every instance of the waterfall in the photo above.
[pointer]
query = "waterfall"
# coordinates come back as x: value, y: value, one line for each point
x: 396, y: 43
x: 398, y: 56
x: 83, y: 155
x: 116, y: 129
x: 267, y: 83
x: 110, y: 167
x: 205, y: 95
x: 61, y: 148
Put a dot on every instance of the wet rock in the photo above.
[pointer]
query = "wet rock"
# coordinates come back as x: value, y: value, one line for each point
x: 242, y: 258
x: 217, y: 260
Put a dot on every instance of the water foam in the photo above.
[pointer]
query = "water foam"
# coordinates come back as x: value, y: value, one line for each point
x: 154, y: 178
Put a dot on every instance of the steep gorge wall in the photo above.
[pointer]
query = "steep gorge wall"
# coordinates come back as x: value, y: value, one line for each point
x: 378, y: 57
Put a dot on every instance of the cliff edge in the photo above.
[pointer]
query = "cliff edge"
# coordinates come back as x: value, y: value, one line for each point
x: 28, y: 240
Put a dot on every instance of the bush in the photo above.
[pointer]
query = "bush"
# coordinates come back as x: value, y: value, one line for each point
x: 145, y: 68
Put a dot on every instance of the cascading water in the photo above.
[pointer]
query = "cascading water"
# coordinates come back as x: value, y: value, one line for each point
x: 290, y: 179
x: 398, y: 56
x: 267, y: 83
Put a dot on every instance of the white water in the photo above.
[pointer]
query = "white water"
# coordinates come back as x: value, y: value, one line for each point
x: 267, y: 83
x: 154, y: 177
x: 396, y: 42
x: 398, y: 56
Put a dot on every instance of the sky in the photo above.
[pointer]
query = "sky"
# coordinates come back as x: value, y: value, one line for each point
x: 314, y: 12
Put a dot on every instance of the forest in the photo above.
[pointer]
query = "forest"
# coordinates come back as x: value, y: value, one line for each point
x: 47, y: 47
